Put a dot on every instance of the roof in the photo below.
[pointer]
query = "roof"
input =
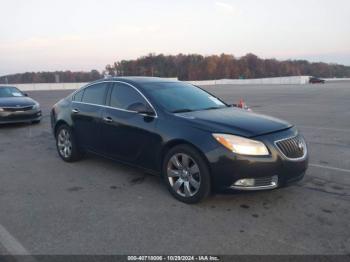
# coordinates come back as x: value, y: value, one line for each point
x: 138, y: 79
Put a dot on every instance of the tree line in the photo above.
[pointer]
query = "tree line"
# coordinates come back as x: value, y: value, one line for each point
x: 190, y: 67
x: 51, y: 77
x: 198, y: 67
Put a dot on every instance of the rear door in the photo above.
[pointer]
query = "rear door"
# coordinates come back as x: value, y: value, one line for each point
x: 128, y: 135
x: 87, y: 108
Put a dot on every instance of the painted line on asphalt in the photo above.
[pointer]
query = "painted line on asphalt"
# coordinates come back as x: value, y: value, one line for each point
x: 331, y: 168
x: 12, y: 245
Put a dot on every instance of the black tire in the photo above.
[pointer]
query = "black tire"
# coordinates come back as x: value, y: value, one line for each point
x: 204, y: 188
x: 75, y: 154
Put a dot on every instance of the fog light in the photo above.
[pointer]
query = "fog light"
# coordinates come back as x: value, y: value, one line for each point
x: 245, y: 182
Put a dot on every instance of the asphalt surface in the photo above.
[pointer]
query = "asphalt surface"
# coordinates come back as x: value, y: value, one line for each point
x: 96, y: 206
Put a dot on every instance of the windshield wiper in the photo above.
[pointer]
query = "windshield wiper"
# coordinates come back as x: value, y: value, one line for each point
x: 184, y: 110
x: 210, y: 108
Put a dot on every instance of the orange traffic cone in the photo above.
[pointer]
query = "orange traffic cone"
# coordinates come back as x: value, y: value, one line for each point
x: 241, y: 103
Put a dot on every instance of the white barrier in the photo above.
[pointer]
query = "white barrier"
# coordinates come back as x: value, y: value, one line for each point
x: 290, y: 80
x: 330, y: 80
x: 48, y: 86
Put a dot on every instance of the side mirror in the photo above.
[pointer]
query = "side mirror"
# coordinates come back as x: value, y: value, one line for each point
x: 141, y: 109
x: 25, y: 94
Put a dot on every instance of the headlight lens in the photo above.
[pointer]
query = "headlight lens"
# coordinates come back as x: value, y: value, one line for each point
x: 36, y: 106
x: 241, y: 145
x: 1, y: 109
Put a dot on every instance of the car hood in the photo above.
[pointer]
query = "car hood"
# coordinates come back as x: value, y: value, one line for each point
x: 16, y: 101
x: 235, y: 121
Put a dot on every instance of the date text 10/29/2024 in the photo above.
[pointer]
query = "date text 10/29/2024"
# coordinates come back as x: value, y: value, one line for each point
x: 173, y: 258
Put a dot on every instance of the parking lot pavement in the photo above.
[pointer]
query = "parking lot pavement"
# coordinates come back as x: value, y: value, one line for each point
x: 3, y: 251
x: 96, y: 206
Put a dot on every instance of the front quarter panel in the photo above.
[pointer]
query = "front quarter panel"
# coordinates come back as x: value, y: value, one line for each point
x: 175, y: 130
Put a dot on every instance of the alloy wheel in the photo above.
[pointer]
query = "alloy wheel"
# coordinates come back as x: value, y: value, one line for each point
x: 184, y: 175
x: 64, y: 143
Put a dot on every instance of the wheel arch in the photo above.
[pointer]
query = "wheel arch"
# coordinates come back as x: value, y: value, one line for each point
x: 58, y: 125
x: 176, y: 142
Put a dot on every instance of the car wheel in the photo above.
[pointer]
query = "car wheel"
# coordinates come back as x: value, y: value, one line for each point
x: 66, y: 144
x: 186, y: 174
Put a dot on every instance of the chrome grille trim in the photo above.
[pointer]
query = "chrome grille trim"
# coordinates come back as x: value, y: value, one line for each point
x: 16, y: 109
x: 290, y: 145
x: 263, y: 181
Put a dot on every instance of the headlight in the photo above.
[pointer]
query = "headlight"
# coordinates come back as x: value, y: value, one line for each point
x: 1, y: 109
x: 36, y: 106
x: 241, y: 145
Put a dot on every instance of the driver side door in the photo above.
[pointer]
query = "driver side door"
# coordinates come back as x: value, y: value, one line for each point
x: 128, y: 135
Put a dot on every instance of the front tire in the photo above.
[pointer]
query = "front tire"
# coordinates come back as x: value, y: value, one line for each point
x: 186, y: 174
x: 66, y: 144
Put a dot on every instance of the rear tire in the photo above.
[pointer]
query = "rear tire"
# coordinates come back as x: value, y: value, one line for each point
x: 66, y: 144
x: 186, y: 174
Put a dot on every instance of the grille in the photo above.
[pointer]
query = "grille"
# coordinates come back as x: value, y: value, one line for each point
x: 20, y: 117
x: 264, y: 181
x: 16, y: 109
x: 292, y: 147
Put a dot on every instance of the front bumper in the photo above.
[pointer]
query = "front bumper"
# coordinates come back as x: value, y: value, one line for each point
x: 264, y: 172
x: 20, y: 116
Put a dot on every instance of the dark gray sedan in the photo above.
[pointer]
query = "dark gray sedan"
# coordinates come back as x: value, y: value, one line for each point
x: 17, y: 107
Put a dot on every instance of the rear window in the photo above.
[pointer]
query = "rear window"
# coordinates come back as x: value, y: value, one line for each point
x: 78, y: 96
x: 95, y: 94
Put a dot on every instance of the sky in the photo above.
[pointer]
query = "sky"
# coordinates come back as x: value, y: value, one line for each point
x: 40, y: 35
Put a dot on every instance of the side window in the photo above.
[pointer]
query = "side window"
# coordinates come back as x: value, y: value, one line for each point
x: 125, y: 97
x: 95, y: 94
x: 78, y: 96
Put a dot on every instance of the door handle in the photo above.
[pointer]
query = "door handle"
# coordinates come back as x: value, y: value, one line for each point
x: 108, y: 119
x: 75, y: 111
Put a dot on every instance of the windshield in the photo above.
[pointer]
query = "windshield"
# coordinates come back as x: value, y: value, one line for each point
x: 179, y: 97
x: 9, y: 91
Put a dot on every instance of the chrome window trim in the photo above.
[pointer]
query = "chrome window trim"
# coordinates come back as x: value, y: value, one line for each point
x: 116, y: 108
x: 292, y: 159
